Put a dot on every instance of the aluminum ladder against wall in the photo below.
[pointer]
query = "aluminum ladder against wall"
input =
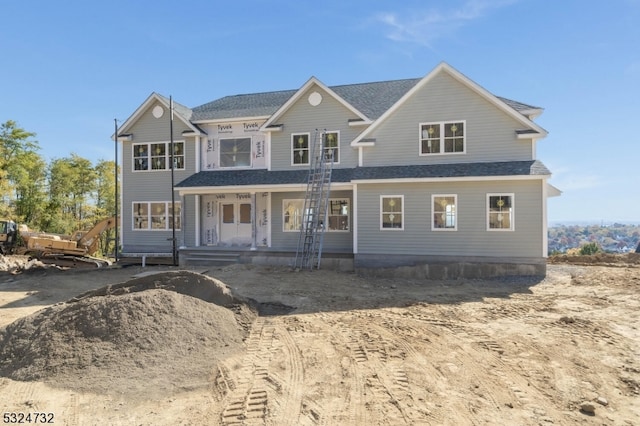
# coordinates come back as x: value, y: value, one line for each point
x: 316, y: 201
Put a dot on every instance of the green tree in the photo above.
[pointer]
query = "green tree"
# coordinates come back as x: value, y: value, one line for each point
x: 589, y: 249
x: 72, y: 182
x: 105, y: 201
x: 29, y: 181
x: 14, y: 143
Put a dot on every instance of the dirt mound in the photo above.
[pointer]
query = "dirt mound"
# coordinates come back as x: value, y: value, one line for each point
x: 610, y: 259
x: 147, y: 336
x: 17, y: 264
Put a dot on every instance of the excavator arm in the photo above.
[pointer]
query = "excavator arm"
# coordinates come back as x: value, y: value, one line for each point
x: 89, y: 240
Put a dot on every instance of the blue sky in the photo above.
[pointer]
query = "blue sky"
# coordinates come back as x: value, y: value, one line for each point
x: 70, y: 67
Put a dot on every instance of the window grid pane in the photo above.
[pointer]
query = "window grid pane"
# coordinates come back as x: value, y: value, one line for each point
x: 235, y: 152
x: 391, y: 212
x: 300, y: 146
x: 500, y: 212
x: 444, y: 212
x: 332, y: 146
x: 155, y: 215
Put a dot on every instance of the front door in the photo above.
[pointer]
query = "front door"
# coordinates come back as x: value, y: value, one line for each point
x: 235, y: 223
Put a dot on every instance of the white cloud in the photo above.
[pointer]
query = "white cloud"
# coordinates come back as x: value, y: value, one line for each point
x: 426, y: 26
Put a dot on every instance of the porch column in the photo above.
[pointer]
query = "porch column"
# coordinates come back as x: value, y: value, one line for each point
x: 254, y: 217
x: 182, y: 220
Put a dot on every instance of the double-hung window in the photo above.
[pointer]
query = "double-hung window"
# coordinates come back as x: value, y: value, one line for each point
x: 338, y: 215
x: 157, y: 156
x: 500, y: 212
x: 332, y: 146
x: 392, y: 212
x: 155, y: 215
x: 442, y: 138
x: 300, y: 148
x: 445, y: 214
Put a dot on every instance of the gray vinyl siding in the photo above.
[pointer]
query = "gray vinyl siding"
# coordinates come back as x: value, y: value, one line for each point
x: 333, y: 241
x: 471, y: 237
x: 490, y: 132
x: 151, y: 185
x: 301, y: 117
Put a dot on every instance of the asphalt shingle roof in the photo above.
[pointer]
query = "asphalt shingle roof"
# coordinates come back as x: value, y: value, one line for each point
x: 371, y: 99
x: 283, y: 177
x: 249, y: 105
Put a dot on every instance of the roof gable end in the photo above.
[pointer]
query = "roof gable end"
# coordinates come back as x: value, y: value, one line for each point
x: 293, y: 99
x: 500, y: 103
x: 182, y: 112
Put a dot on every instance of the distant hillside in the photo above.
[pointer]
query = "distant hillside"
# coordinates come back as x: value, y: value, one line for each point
x: 615, y: 238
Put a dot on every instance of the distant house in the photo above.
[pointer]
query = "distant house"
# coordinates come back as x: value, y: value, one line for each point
x: 435, y: 175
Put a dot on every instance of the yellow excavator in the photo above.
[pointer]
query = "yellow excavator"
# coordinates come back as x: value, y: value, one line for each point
x: 75, y: 250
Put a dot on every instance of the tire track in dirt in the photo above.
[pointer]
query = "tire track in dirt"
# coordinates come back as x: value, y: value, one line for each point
x: 23, y: 393
x: 485, y: 350
x: 70, y: 413
x: 353, y: 404
x: 247, y: 401
x: 292, y: 386
x: 256, y: 391
x: 380, y: 355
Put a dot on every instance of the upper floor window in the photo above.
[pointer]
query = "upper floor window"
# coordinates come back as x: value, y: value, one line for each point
x: 444, y: 212
x: 300, y: 148
x: 500, y: 212
x: 392, y: 212
x: 235, y: 152
x: 148, y: 215
x: 442, y: 138
x: 157, y: 156
x: 332, y: 146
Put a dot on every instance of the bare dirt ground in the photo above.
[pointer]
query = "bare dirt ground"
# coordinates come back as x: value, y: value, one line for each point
x: 337, y: 349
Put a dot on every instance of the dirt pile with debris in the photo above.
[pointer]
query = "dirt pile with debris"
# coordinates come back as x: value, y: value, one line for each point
x: 148, y: 336
x: 16, y: 264
x: 604, y: 259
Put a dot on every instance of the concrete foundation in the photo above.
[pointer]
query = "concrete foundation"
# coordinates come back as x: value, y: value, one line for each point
x: 444, y: 268
x: 392, y: 266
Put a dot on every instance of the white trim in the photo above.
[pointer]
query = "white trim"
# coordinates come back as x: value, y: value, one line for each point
x: 402, y: 212
x: 167, y: 156
x: 545, y: 224
x: 204, y: 190
x: 442, y: 138
x: 451, y: 179
x: 360, y: 156
x: 359, y: 123
x: 526, y: 136
x: 269, y: 227
x: 552, y: 191
x: 455, y: 203
x: 305, y: 87
x: 309, y: 142
x: 232, y: 119
x: 327, y: 215
x: 167, y: 205
x: 198, y: 146
x: 354, y: 202
x: 219, y: 141
x: 338, y: 146
x: 444, y: 67
x: 533, y: 148
x: 144, y: 107
x: 513, y: 211
x: 198, y: 225
x: 267, y: 147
